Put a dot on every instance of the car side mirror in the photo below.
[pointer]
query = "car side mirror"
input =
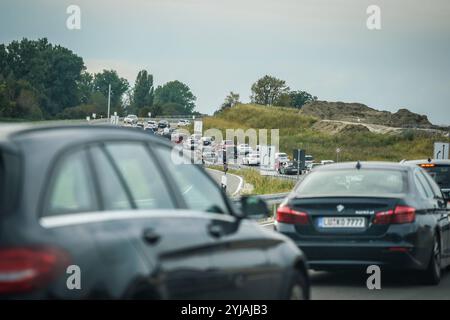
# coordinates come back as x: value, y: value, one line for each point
x: 253, y: 207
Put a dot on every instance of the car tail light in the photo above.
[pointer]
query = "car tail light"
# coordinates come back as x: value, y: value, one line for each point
x: 24, y: 269
x: 401, y: 214
x: 290, y: 216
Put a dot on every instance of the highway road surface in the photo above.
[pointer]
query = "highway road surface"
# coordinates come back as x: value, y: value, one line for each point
x: 234, y: 182
x: 351, y: 285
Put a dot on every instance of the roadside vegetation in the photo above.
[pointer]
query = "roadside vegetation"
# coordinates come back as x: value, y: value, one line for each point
x: 264, y: 184
x: 261, y: 184
x: 296, y: 131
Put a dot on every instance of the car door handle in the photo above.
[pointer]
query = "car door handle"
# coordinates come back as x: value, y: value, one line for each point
x: 215, y: 230
x: 150, y: 236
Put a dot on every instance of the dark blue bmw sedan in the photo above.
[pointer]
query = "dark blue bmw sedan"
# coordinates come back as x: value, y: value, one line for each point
x: 370, y: 213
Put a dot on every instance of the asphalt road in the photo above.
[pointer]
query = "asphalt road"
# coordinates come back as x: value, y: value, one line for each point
x: 234, y: 183
x: 351, y: 285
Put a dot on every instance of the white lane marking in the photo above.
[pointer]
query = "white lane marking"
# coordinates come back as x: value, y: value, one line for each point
x: 241, y: 180
x: 267, y: 224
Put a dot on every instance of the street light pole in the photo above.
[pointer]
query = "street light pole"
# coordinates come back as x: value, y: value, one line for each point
x: 109, y: 102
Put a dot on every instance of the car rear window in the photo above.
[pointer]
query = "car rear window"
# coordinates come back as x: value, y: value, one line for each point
x: 441, y: 174
x: 364, y: 182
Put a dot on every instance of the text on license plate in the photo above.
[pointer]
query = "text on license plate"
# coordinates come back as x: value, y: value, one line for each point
x: 342, y: 222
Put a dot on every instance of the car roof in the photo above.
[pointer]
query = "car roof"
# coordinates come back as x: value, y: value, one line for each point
x: 10, y: 134
x: 7, y: 129
x: 425, y: 161
x: 366, y: 165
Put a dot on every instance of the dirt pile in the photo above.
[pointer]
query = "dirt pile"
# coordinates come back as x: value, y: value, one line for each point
x: 360, y: 113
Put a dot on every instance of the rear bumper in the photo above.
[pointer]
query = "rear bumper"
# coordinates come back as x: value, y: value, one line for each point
x: 333, y: 256
x: 337, y: 253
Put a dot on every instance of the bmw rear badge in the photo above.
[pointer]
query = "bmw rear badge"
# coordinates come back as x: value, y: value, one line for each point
x: 340, y: 208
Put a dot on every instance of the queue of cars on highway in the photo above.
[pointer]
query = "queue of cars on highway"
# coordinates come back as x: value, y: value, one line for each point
x: 140, y: 224
x: 211, y: 152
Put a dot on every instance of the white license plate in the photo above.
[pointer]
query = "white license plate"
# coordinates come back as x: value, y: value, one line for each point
x: 342, y: 222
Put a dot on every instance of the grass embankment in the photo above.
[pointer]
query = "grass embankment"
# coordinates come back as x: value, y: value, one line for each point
x: 261, y: 184
x: 296, y: 131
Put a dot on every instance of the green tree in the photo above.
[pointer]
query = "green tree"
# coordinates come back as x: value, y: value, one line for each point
x: 118, y: 87
x: 267, y: 90
x: 231, y: 100
x: 172, y: 108
x: 4, y: 70
x: 175, y: 92
x: 299, y: 98
x: 53, y: 71
x: 18, y: 99
x: 5, y: 101
x: 85, y: 87
x: 143, y: 90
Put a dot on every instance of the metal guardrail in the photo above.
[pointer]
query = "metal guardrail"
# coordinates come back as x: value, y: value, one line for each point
x: 274, y: 199
x: 270, y: 199
x: 271, y: 174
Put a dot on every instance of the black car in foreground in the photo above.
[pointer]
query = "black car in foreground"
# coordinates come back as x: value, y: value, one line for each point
x: 112, y: 213
x: 361, y: 214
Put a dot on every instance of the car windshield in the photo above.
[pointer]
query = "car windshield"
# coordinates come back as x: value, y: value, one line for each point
x: 352, y: 182
x: 441, y: 174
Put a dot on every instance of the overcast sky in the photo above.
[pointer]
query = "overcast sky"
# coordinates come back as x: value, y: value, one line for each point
x: 216, y: 46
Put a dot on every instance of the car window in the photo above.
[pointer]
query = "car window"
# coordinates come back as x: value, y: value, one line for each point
x: 424, y: 183
x: 143, y: 178
x: 420, y: 186
x: 197, y: 189
x: 441, y: 174
x: 71, y: 189
x: 113, y: 193
x: 365, y: 182
x: 433, y: 185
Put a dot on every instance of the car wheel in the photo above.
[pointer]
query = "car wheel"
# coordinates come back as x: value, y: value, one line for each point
x: 299, y: 289
x: 432, y: 276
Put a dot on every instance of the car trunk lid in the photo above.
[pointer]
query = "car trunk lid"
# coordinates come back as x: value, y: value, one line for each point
x: 343, y: 216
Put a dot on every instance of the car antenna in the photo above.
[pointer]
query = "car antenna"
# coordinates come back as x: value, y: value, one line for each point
x: 358, y: 165
x: 429, y: 160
